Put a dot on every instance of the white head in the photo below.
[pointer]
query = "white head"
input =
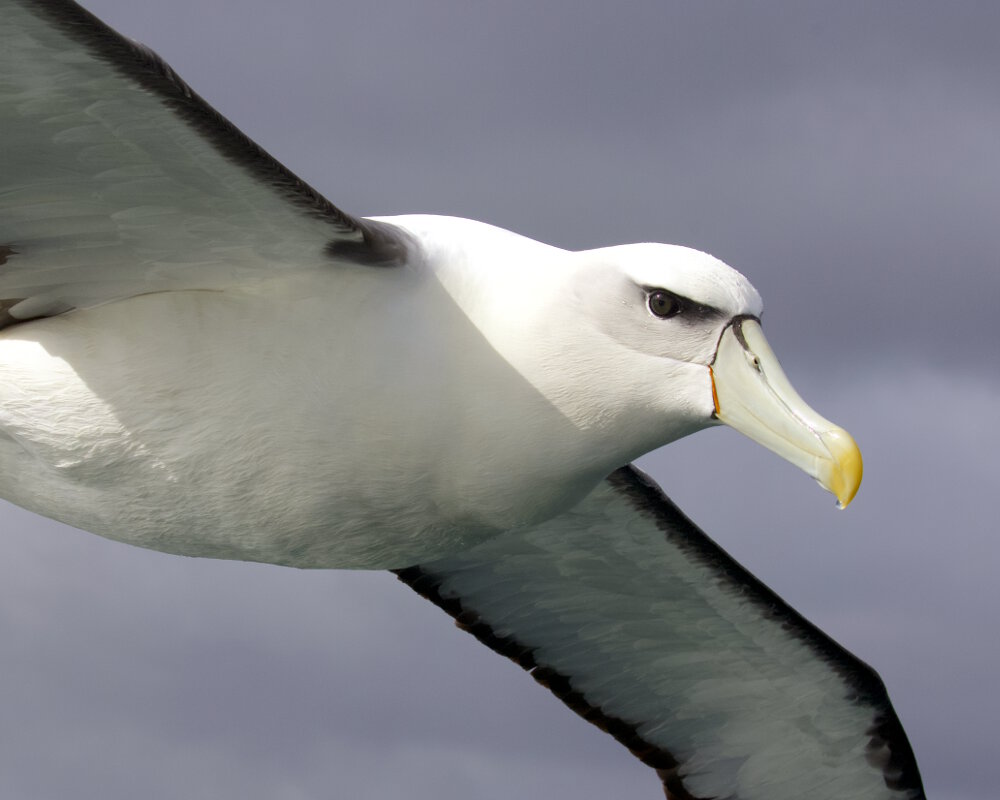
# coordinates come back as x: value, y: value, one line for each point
x: 639, y: 345
x: 621, y: 339
x: 629, y: 348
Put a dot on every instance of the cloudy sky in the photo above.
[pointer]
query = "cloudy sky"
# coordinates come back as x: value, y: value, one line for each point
x: 844, y: 156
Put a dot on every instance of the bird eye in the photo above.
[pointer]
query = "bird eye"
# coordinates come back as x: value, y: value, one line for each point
x: 663, y: 304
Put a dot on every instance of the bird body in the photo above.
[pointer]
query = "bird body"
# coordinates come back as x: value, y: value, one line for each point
x: 356, y: 417
x: 200, y: 354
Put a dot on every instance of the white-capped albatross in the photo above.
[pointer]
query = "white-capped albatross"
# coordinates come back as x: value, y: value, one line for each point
x: 201, y: 355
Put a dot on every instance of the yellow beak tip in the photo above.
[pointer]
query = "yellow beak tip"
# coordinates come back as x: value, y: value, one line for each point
x: 849, y: 467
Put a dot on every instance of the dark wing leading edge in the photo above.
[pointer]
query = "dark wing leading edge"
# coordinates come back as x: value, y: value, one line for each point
x: 645, y: 627
x: 116, y: 179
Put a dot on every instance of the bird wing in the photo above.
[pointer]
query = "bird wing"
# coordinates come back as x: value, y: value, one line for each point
x: 116, y: 179
x: 641, y: 624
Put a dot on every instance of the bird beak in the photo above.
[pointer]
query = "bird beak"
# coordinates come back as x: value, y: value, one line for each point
x: 752, y: 395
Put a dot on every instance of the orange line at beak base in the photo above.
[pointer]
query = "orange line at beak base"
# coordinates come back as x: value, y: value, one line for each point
x: 715, y: 396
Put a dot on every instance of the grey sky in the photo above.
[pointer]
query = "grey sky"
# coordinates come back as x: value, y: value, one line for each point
x: 843, y: 156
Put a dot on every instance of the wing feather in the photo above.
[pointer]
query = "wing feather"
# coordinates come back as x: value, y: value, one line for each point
x: 117, y: 179
x: 645, y: 627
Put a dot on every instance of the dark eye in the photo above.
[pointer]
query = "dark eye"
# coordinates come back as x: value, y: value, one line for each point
x: 663, y: 304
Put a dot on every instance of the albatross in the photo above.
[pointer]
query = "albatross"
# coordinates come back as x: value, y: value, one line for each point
x: 201, y: 355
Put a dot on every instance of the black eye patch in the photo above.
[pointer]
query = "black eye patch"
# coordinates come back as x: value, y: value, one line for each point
x: 665, y: 304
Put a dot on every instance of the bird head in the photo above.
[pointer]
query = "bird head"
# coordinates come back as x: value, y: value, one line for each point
x: 681, y: 331
x: 636, y: 346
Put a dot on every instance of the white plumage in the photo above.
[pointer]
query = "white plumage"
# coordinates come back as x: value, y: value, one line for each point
x: 201, y: 355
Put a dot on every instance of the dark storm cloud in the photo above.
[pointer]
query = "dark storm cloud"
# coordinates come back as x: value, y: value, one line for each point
x: 843, y: 155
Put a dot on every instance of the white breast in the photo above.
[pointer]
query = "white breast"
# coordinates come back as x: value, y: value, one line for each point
x: 350, y: 425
